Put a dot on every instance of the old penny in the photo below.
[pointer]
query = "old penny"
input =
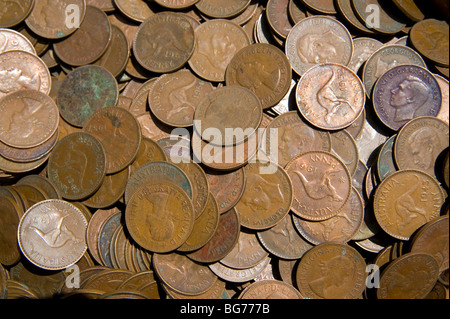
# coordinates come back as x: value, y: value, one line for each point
x: 43, y: 183
x: 136, y: 10
x: 15, y: 12
x: 239, y: 275
x: 444, y: 86
x: 278, y: 17
x: 385, y: 160
x: 344, y: 146
x: 363, y: 49
x: 270, y: 289
x: 9, y: 253
x: 12, y: 40
x: 410, y: 9
x: 346, y: 11
x: 222, y: 8
x: 149, y: 151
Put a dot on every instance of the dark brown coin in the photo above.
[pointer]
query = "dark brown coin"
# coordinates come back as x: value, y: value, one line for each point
x: 270, y: 289
x: 385, y: 160
x: 43, y: 183
x: 410, y: 9
x: 344, y: 145
x: 222, y: 8
x: 344, y: 7
x: 88, y: 42
x: 15, y: 12
x: 9, y: 252
x: 278, y: 17
x: 149, y: 151
x: 136, y: 10
x: 85, y: 90
x: 105, y: 237
x: 406, y: 92
x: 107, y: 280
x: 3, y: 279
x: 77, y: 166
x: 164, y: 42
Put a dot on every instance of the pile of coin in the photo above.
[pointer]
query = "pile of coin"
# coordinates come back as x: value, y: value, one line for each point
x: 224, y: 149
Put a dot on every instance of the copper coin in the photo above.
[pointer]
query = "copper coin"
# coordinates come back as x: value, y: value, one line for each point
x: 406, y: 200
x: 77, y: 166
x: 345, y: 9
x: 43, y: 183
x: 239, y: 275
x: 363, y: 49
x: 9, y: 253
x: 223, y: 240
x: 105, y: 5
x: 430, y: 37
x: 419, y: 143
x: 51, y: 234
x: 15, y: 12
x: 83, y: 91
x: 107, y: 280
x: 149, y: 151
x: 3, y: 279
x: 267, y: 196
x: 49, y: 19
x: 222, y: 8
x: 263, y: 69
x: 332, y: 271
x: 176, y: 4
x: 410, y: 9
x: 88, y: 42
x: 384, y: 59
x: 404, y: 93
x: 270, y: 289
x: 21, y: 70
x: 330, y: 96
x: 159, y: 216
x: 444, y: 111
x: 12, y: 40
x: 21, y: 167
x: 318, y: 39
x: 278, y: 17
x: 344, y: 145
x: 128, y: 27
x: 32, y: 193
x: 164, y: 42
x: 340, y: 228
x: 217, y: 291
x: 322, y: 185
x: 411, y: 276
x: 116, y: 129
x: 385, y: 160
x: 136, y: 10
x: 175, y: 96
x: 29, y: 118
x: 216, y: 42
x: 182, y: 274
x: 432, y: 239
x: 231, y: 113
x: 105, y: 238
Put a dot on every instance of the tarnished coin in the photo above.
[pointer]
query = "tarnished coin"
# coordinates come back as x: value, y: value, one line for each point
x: 136, y: 10
x: 270, y: 289
x: 263, y: 69
x: 331, y: 271
x: 12, y: 40
x: 420, y: 142
x: 116, y: 129
x: 278, y: 17
x: 3, y: 279
x: 345, y: 9
x: 344, y: 146
x: 432, y: 239
x: 51, y: 234
x: 406, y: 200
x: 164, y: 42
x: 430, y: 37
x: 21, y: 70
x: 21, y: 167
x: 77, y: 166
x: 105, y: 237
x: 43, y: 183
x: 410, y: 9
x: 318, y: 39
x: 175, y: 96
x: 149, y: 151
x: 88, y: 42
x: 330, y: 96
x: 444, y: 111
x: 83, y: 91
x: 411, y: 276
x: 404, y: 93
x: 159, y: 216
x: 182, y: 274
x: 52, y: 24
x: 231, y: 114
x: 384, y: 59
x: 216, y: 42
x: 239, y: 275
x: 322, y: 185
x: 15, y: 12
x: 385, y: 160
x: 107, y: 280
x: 9, y: 252
x: 176, y: 4
x: 222, y: 8
x: 267, y: 196
x: 29, y: 118
x: 363, y: 49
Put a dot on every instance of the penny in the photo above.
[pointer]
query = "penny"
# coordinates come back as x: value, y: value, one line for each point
x: 283, y: 240
x: 43, y: 183
x: 157, y: 171
x: 431, y: 239
x: 9, y: 253
x: 85, y: 90
x: 344, y: 146
x: 270, y: 289
x: 385, y: 160
x: 345, y: 9
x: 149, y: 151
x: 389, y: 20
x: 29, y: 118
x: 267, y: 196
x: 21, y: 70
x: 322, y: 6
x: 223, y: 240
x: 331, y: 271
x: 356, y: 128
x: 278, y: 17
x: 123, y: 295
x: 363, y: 49
x: 176, y: 4
x: 318, y: 39
x: 444, y: 111
x: 419, y: 143
x: 217, y: 291
x: 370, y: 138
x: 164, y: 42
x: 174, y: 97
x: 406, y: 200
x: 297, y: 11
x: 32, y: 193
x: 18, y: 167
x: 51, y: 234
x: 15, y: 12
x: 182, y: 274
x: 136, y: 10
x: 410, y: 9
x: 88, y: 42
x: 330, y: 96
x: 410, y: 276
x: 3, y: 279
x: 216, y: 42
x: 384, y: 59
x: 159, y: 216
x: 238, y: 275
x: 263, y: 69
x: 340, y: 228
x: 105, y: 237
x: 77, y: 166
x: 11, y: 40
x: 176, y: 148
x: 321, y: 183
x: 107, y: 280
x: 105, y: 5
x: 445, y: 170
x: 222, y: 8
x: 430, y: 38
x: 404, y: 93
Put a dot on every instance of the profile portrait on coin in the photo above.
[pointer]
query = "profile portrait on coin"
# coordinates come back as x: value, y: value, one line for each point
x: 261, y: 78
x: 293, y: 142
x: 50, y: 20
x: 263, y: 194
x: 218, y: 49
x: 421, y: 143
x: 26, y: 118
x: 14, y: 80
x: 158, y: 218
x: 318, y: 48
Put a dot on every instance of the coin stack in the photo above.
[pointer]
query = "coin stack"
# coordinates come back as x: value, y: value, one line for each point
x: 120, y: 178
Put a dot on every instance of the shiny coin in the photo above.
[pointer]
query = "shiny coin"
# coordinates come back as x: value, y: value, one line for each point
x: 363, y: 49
x: 12, y: 40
